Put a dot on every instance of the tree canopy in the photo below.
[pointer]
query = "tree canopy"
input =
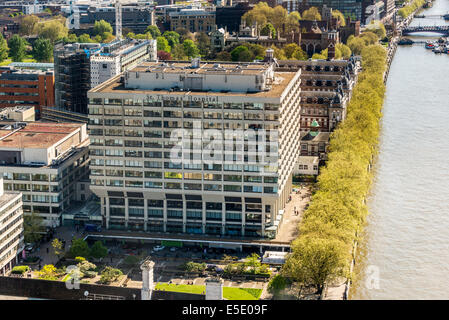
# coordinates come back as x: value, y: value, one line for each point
x: 311, y: 14
x: 17, y: 48
x: 337, y: 210
x: 52, y: 30
x: 3, y: 48
x: 28, y: 25
x: 101, y: 27
x: 43, y: 50
x: 154, y: 31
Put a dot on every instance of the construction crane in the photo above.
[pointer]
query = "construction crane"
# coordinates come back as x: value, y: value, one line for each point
x: 118, y: 20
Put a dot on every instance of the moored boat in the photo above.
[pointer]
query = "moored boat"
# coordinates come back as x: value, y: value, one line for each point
x: 430, y: 45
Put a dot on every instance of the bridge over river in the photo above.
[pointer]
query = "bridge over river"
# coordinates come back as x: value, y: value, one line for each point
x: 444, y: 30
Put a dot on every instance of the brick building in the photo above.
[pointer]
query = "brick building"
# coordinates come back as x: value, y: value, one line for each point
x: 26, y: 88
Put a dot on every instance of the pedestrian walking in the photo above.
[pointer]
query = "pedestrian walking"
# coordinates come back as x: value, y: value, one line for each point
x: 48, y: 249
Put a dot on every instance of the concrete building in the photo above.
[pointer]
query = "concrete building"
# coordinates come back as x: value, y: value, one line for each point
x: 114, y: 59
x: 18, y: 114
x: 11, y: 229
x: 144, y: 184
x: 25, y: 87
x: 135, y: 16
x: 81, y: 66
x: 44, y: 161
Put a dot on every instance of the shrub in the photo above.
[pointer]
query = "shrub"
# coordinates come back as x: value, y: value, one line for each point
x: 276, y: 284
x: 109, y: 275
x: 89, y: 274
x: 86, y: 266
x: 20, y: 269
x: 80, y: 259
x: 194, y: 267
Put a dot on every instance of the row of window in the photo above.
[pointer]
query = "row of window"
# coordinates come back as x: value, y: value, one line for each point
x: 180, y: 175
x: 93, y: 109
x: 188, y: 165
x: 187, y: 186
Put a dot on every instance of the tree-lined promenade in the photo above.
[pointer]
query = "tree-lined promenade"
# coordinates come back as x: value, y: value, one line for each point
x: 337, y: 212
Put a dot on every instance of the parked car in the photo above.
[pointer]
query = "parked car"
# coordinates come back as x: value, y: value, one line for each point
x: 158, y: 248
x: 173, y: 249
x: 29, y: 247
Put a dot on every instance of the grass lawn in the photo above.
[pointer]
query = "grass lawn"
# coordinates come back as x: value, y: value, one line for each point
x: 229, y: 293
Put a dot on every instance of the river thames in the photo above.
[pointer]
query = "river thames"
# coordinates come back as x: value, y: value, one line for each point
x: 405, y: 253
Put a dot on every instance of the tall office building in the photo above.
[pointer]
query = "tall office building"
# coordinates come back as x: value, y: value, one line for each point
x: 11, y: 228
x: 197, y: 148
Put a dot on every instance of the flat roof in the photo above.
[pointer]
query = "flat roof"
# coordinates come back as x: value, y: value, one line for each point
x: 185, y: 67
x: 282, y: 79
x: 36, y: 135
x: 6, y: 197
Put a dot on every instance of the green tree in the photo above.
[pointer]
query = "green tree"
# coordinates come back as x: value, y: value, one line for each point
x: 107, y: 37
x: 3, y: 48
x: 340, y: 17
x: 48, y: 272
x: 356, y: 44
x: 278, y: 16
x: 276, y: 284
x: 279, y: 53
x: 28, y: 25
x: 52, y: 30
x: 57, y: 248
x: 235, y: 54
x: 311, y: 14
x: 102, y: 26
x: 43, y: 50
x: 98, y: 250
x: 109, y: 275
x: 369, y: 38
x: 344, y: 49
x: 203, y: 43
x: 317, y: 261
x: 377, y: 28
x: 32, y: 225
x: 84, y: 38
x: 178, y: 52
x: 17, y: 48
x: 268, y: 30
x: 162, y: 44
x: 300, y: 54
x: 289, y: 49
x: 172, y: 38
x: 190, y: 49
x: 79, y: 248
x: 292, y: 23
x: 154, y: 31
x: 71, y: 38
x: 259, y: 14
x: 184, y: 34
x: 252, y: 262
x: 223, y: 56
